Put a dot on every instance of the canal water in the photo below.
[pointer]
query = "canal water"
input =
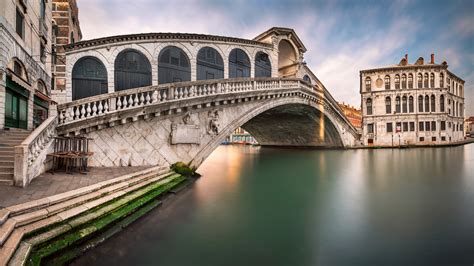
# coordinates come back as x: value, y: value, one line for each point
x: 267, y: 206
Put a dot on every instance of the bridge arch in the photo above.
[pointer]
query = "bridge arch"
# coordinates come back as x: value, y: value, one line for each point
x: 240, y: 64
x: 132, y: 69
x: 173, y: 65
x: 89, y: 78
x: 287, y: 58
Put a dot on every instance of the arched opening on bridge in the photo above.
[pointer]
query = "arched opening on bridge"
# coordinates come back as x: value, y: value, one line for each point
x: 173, y: 65
x: 239, y: 64
x: 132, y: 70
x: 263, y: 67
x: 294, y: 125
x: 209, y: 64
x: 89, y: 78
x: 287, y: 59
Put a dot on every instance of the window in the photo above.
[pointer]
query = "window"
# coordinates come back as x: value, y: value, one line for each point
x: 432, y: 85
x: 370, y: 128
x: 433, y: 125
x: 412, y: 126
x: 441, y: 103
x: 405, y: 126
x: 421, y: 126
x: 42, y: 53
x: 71, y: 37
x: 443, y: 125
x: 17, y: 68
x: 433, y: 138
x: 422, y: 138
x: 420, y: 81
x: 443, y: 138
x: 387, y: 82
x: 448, y: 82
x: 43, y: 10
x: 410, y: 81
x: 426, y: 80
x: 388, y: 105
x: 404, y: 104
x: 427, y: 126
x: 398, y: 126
x: 389, y: 127
x: 173, y: 65
x: 132, y: 70
x: 420, y: 104
x: 89, y: 78
x: 410, y: 105
x: 397, y: 105
x: 404, y: 81
x: 239, y: 64
x: 209, y: 64
x: 20, y: 21
x: 433, y: 103
x: 460, y: 91
x: 397, y: 82
x: 307, y: 79
x: 263, y: 67
x: 369, y: 106
x: 441, y: 80
x: 368, y: 84
x: 427, y: 103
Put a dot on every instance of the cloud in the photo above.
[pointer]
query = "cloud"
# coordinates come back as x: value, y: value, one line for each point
x: 342, y: 37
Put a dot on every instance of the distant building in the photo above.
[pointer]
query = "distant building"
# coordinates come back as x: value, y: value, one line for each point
x: 353, y: 115
x: 25, y: 63
x: 411, y: 104
x: 240, y: 136
x: 469, y: 124
x: 66, y: 30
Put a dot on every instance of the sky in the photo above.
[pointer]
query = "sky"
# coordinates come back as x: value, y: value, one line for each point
x: 342, y: 37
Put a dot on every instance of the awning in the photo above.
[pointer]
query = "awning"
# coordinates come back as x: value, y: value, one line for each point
x: 21, y: 82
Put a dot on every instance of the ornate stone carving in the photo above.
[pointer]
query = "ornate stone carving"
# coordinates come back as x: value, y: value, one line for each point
x: 213, y: 124
x: 186, y: 133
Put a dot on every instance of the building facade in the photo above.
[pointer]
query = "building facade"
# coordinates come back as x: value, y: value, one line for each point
x: 353, y: 114
x: 25, y: 63
x: 411, y: 104
x: 66, y: 30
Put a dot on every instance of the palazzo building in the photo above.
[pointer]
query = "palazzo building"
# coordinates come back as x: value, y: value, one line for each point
x: 353, y: 114
x: 411, y: 104
x: 25, y: 63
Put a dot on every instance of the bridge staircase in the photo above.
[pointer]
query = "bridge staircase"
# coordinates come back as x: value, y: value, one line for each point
x: 26, y: 226
x: 8, y: 140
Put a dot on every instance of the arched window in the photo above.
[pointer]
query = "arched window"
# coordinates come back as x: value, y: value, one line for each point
x: 132, y: 70
x: 441, y: 80
x: 388, y: 105
x: 404, y: 81
x: 410, y: 81
x: 432, y: 85
x: 173, y: 66
x: 448, y: 83
x: 263, y: 67
x: 397, y: 105
x: 460, y: 91
x: 307, y: 79
x: 441, y: 103
x: 397, y: 82
x: 209, y: 64
x: 387, y: 82
x: 369, y: 106
x: 404, y: 104
x: 433, y: 103
x: 368, y: 84
x: 89, y: 78
x: 427, y: 103
x: 420, y: 104
x: 239, y: 64
x: 420, y: 81
x: 41, y: 86
x: 411, y: 107
x: 426, y: 80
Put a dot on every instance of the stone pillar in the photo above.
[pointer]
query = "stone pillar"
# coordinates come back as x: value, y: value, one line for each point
x: 30, y: 110
x: 21, y: 165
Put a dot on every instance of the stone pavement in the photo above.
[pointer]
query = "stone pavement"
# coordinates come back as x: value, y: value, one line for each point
x: 49, y: 184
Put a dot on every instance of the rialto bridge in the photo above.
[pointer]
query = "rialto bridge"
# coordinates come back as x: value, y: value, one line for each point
x: 148, y: 99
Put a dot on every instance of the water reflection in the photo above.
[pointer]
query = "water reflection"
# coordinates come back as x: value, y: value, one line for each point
x: 260, y: 206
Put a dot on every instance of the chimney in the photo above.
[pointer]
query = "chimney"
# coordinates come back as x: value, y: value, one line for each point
x: 432, y: 59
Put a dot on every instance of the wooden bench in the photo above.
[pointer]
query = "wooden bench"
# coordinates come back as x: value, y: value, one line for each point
x: 71, y: 154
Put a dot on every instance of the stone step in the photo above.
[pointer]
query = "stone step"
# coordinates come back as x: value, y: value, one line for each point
x: 7, y: 163
x: 7, y: 158
x: 30, y: 221
x: 7, y: 153
x: 6, y: 180
x: 6, y: 169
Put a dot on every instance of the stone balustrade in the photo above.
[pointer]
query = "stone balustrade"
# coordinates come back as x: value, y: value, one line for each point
x: 123, y: 100
x: 27, y: 155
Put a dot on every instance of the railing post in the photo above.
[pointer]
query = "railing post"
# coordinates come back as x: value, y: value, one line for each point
x: 170, y: 93
x: 21, y: 165
x: 112, y: 104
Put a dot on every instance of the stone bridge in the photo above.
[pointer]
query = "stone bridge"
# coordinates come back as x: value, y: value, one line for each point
x: 186, y: 121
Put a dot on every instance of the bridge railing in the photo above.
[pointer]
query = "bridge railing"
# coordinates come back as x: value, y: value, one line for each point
x: 123, y: 100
